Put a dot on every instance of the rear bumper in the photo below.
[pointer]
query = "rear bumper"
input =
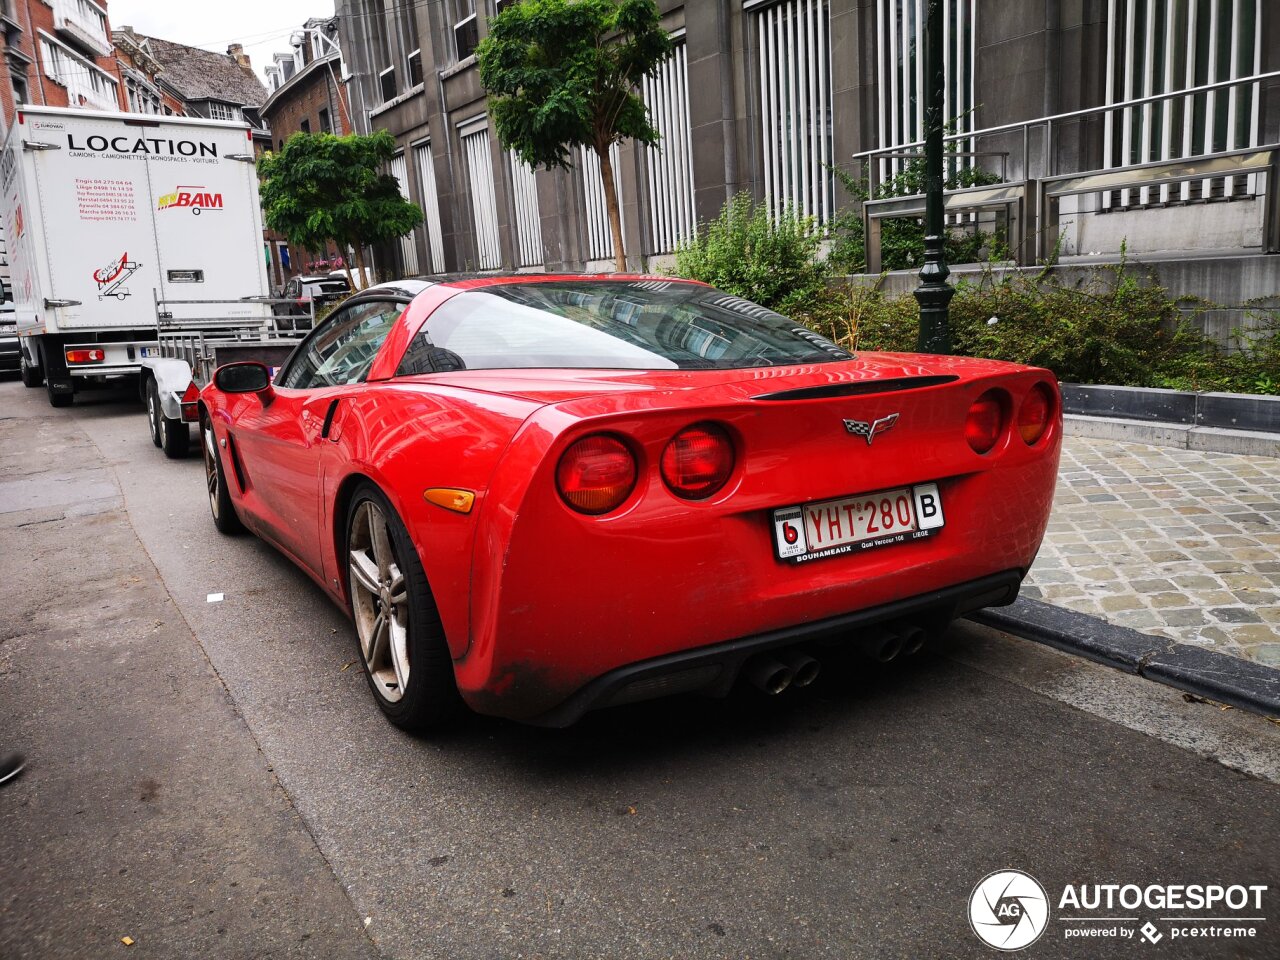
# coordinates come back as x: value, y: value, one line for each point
x: 714, y: 669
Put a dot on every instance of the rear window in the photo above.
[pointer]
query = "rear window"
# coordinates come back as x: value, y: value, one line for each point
x: 645, y: 325
x: 327, y: 287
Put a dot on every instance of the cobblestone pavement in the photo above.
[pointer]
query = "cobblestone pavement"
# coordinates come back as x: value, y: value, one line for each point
x: 1172, y: 542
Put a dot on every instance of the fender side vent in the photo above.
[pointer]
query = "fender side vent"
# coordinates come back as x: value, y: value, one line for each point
x: 860, y: 388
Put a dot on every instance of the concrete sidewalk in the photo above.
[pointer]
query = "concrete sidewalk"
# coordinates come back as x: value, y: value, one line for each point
x: 1175, y: 543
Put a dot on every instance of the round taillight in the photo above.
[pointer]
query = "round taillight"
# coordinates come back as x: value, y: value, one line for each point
x: 698, y: 461
x: 982, y: 425
x: 1033, y: 415
x: 596, y: 474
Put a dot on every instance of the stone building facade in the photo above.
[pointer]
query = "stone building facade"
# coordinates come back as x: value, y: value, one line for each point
x: 767, y: 96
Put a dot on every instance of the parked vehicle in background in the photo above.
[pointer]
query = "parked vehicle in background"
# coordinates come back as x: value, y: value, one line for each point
x: 9, y: 353
x: 188, y: 350
x: 308, y: 296
x: 106, y: 213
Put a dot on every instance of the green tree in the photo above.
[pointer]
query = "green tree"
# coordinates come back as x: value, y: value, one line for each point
x: 322, y: 187
x: 563, y: 74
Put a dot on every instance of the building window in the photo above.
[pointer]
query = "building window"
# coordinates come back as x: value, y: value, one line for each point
x: 900, y: 75
x: 524, y: 184
x: 325, y: 125
x: 670, y: 162
x: 483, y: 202
x: 1159, y: 47
x: 599, y: 236
x: 87, y: 84
x: 223, y: 111
x: 387, y: 84
x: 19, y: 89
x: 415, y: 69
x: 305, y: 126
x: 430, y: 204
x: 466, y: 29
x: 795, y: 106
x: 408, y: 246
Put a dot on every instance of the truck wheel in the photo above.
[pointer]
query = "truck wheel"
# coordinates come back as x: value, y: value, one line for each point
x: 225, y: 517
x: 154, y: 413
x: 31, y: 376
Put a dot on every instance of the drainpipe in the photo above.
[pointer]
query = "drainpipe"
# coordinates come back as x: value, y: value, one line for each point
x: 726, y: 100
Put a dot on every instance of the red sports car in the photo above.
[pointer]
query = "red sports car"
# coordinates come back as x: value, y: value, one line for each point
x: 543, y: 495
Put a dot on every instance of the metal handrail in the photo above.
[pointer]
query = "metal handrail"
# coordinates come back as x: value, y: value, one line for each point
x: 1077, y: 114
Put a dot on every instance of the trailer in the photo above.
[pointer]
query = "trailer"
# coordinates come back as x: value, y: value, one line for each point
x: 100, y: 209
x: 188, y: 349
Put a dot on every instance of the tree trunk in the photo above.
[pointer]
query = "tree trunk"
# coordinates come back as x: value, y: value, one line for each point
x: 346, y: 265
x: 611, y: 204
x: 360, y: 270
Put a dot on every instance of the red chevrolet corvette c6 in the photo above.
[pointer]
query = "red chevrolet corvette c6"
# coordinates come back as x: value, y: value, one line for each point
x: 542, y: 495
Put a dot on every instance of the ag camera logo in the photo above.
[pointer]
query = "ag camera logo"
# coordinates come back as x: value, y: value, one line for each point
x: 1008, y: 910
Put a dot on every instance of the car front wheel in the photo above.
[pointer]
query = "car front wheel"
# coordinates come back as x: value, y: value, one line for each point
x: 401, y: 638
x: 225, y: 517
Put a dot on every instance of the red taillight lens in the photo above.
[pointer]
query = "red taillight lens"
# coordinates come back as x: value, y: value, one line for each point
x: 698, y: 461
x: 85, y: 356
x: 190, y: 396
x: 596, y: 474
x: 982, y: 425
x: 1033, y: 415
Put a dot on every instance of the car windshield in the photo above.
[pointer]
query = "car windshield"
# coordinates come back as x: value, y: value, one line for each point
x: 643, y: 324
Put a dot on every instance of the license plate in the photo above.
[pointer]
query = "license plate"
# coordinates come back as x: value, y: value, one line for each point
x: 829, y: 528
x: 150, y: 352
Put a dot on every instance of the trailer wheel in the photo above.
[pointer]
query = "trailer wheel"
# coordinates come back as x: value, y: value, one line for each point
x: 154, y: 413
x: 174, y: 435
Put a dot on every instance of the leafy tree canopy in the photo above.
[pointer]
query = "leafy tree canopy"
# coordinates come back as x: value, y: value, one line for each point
x: 322, y: 187
x: 563, y: 73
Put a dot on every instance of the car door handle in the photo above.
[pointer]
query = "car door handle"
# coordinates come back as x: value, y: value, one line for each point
x: 328, y: 420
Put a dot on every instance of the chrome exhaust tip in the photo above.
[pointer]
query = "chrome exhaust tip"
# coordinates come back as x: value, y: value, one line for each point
x: 804, y: 668
x: 768, y: 675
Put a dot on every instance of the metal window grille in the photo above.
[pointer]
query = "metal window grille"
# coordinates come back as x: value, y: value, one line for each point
x: 1160, y: 46
x: 671, y: 161
x: 599, y: 235
x: 900, y: 74
x: 430, y: 204
x: 795, y: 106
x: 528, y: 225
x: 483, y: 199
x: 408, y: 246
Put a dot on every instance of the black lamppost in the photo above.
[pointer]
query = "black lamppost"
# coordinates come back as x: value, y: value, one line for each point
x: 934, y: 293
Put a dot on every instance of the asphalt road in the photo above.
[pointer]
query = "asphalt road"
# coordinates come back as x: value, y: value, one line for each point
x: 214, y: 779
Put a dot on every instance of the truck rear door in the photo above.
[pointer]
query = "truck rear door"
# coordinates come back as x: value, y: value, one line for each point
x: 207, y: 219
x: 91, y: 183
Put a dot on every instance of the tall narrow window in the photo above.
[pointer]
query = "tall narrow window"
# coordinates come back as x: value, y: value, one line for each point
x: 387, y: 84
x: 1160, y: 46
x: 599, y: 235
x: 408, y: 246
x: 528, y: 225
x: 430, y: 204
x: 795, y: 106
x: 415, y: 68
x: 671, y: 161
x: 484, y: 204
x: 900, y: 75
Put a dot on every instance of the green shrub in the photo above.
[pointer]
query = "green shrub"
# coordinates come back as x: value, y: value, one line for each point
x: 746, y: 252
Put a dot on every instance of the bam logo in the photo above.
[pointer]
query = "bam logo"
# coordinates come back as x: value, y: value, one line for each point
x: 194, y: 199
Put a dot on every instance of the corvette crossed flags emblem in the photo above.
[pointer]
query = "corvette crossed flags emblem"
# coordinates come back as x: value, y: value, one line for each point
x: 861, y: 428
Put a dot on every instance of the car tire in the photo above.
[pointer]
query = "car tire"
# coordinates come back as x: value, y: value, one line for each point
x: 405, y: 656
x: 31, y: 376
x: 224, y: 513
x: 154, y: 412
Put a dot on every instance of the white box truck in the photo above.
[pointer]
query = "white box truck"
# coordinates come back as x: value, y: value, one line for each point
x: 108, y: 214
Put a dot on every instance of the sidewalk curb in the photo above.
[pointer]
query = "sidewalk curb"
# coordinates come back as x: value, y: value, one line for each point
x: 1216, y: 676
x: 1181, y: 436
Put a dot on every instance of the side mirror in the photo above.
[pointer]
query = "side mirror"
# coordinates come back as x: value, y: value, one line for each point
x: 245, y: 377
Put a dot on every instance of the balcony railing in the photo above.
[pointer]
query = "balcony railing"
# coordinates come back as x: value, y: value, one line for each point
x: 83, y: 23
x: 1030, y: 203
